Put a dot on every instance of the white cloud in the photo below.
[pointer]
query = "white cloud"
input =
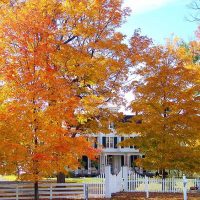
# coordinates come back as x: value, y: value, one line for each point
x: 141, y: 6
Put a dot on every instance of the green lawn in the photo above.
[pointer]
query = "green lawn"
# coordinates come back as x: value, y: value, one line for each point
x: 8, y: 178
x: 74, y: 180
x: 78, y: 180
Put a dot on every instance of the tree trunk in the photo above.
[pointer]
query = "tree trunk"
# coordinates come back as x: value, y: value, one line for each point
x: 36, y: 190
x: 60, y: 177
x: 163, y: 180
x: 164, y: 174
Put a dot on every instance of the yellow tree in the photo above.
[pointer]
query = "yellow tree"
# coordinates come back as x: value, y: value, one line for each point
x: 33, y: 137
x: 166, y: 107
x: 62, y: 61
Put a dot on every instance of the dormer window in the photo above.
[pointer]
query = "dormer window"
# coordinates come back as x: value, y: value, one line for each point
x: 111, y: 125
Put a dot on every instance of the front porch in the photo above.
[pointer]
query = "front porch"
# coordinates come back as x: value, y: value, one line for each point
x: 117, y: 160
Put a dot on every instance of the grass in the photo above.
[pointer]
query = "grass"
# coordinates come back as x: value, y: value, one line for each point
x: 8, y: 178
x: 77, y: 180
x: 67, y: 180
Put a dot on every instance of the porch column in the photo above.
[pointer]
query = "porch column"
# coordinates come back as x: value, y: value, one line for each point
x: 102, y: 163
x: 99, y: 141
x: 106, y: 160
x: 128, y: 160
x: 125, y: 160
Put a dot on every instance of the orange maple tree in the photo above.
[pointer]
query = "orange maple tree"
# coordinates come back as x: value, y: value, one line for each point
x: 61, y: 62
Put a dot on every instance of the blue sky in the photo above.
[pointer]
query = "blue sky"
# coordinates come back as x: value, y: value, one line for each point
x: 160, y: 19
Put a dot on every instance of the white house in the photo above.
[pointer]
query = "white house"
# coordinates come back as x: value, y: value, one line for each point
x: 115, y: 155
x: 111, y: 153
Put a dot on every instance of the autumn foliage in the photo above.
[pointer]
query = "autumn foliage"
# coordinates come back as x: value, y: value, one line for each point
x: 166, y: 106
x: 61, y: 61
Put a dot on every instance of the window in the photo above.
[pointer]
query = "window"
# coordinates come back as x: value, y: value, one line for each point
x: 110, y: 142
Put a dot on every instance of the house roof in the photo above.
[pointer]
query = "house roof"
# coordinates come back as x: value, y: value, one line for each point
x: 129, y: 118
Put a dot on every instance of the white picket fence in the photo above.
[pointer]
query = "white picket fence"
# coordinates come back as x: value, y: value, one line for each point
x: 138, y: 183
x: 46, y: 191
x: 92, y: 189
x: 96, y: 187
x: 116, y: 182
x: 101, y: 186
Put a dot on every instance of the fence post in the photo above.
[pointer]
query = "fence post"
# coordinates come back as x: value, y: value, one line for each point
x: 17, y: 192
x: 125, y: 178
x: 85, y: 188
x: 146, y: 186
x: 184, y: 187
x: 51, y: 195
x: 107, y: 182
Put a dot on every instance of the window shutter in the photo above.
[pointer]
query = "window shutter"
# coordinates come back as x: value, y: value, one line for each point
x: 115, y: 142
x: 104, y: 142
x: 131, y: 145
x: 122, y: 139
x: 95, y: 142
